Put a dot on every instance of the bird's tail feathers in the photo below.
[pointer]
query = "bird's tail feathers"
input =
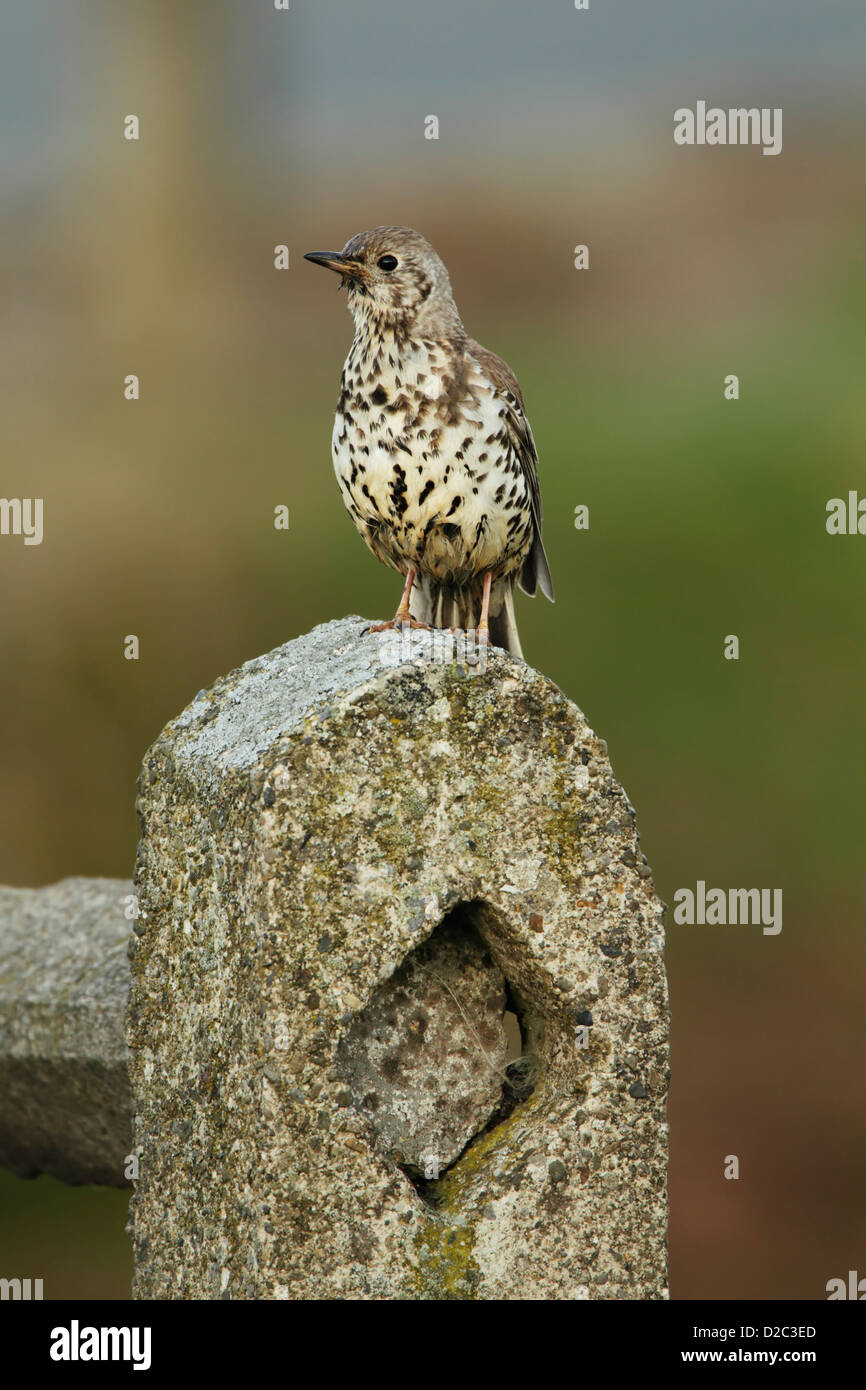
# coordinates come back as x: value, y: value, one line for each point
x: 503, y: 625
x: 443, y: 605
x: 536, y: 571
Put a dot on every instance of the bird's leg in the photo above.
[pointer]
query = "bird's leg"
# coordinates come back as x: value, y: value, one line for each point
x: 483, y: 631
x: 402, y: 615
x: 402, y: 618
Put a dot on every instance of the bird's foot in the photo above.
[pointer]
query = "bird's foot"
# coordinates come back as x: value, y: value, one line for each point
x: 402, y: 620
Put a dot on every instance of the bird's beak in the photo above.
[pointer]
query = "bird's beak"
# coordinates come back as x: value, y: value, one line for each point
x: 333, y: 260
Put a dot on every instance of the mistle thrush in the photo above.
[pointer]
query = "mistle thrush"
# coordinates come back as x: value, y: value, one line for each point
x: 431, y: 445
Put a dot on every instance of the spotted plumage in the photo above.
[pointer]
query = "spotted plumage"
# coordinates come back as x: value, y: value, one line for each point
x: 431, y: 445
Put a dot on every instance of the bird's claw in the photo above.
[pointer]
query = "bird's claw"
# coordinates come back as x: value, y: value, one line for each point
x: 398, y: 624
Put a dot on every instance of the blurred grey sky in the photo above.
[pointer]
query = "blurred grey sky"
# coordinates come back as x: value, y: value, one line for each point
x: 342, y: 81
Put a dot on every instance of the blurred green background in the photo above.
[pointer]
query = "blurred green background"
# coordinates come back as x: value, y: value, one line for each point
x: 706, y: 516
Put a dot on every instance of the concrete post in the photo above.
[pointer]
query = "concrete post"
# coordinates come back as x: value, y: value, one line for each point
x: 358, y: 858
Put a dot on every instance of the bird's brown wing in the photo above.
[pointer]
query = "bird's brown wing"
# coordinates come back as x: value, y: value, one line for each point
x: 536, y: 571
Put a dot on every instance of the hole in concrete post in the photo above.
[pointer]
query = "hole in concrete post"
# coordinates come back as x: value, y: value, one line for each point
x: 512, y: 1032
x: 441, y: 1054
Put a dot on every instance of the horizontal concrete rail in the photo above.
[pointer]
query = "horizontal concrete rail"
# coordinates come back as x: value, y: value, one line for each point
x: 65, y: 1102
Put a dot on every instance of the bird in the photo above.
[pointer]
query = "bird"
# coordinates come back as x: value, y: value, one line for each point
x: 431, y: 445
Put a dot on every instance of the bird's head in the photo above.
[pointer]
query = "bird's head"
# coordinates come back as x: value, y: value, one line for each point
x: 394, y: 280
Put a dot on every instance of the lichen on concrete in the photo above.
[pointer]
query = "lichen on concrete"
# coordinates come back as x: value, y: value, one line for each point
x: 313, y: 828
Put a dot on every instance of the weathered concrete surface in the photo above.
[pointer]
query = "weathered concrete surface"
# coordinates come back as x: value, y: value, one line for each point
x: 307, y: 825
x: 65, y: 1102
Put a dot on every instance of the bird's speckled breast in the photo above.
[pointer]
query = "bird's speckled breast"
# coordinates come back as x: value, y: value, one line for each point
x: 425, y: 460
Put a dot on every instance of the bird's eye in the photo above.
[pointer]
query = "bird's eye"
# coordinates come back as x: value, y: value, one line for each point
x: 387, y: 263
